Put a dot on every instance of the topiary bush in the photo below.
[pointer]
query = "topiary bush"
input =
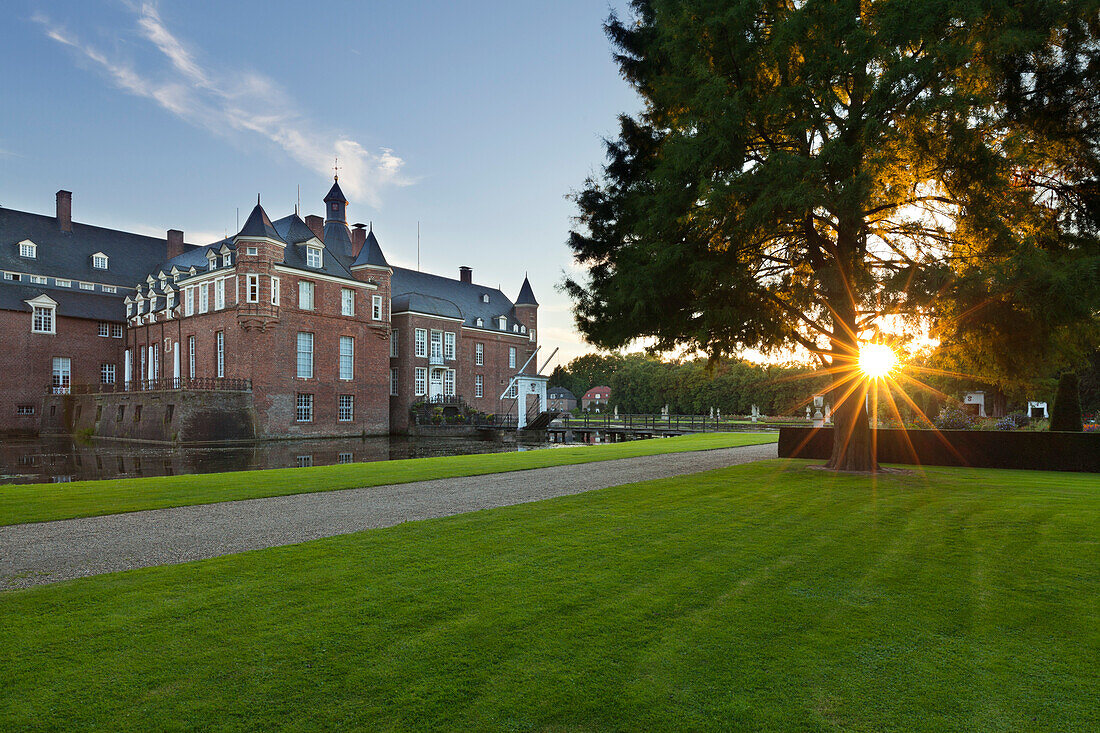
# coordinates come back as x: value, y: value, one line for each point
x: 954, y: 417
x: 1066, y: 414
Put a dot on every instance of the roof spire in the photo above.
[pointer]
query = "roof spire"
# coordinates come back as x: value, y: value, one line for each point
x: 336, y: 169
x: 257, y: 199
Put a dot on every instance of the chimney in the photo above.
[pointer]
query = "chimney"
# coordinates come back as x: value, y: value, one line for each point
x: 465, y: 274
x: 65, y: 210
x: 175, y: 243
x: 316, y: 225
x: 358, y: 239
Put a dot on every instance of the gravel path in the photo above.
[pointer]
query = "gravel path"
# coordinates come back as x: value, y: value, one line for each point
x: 48, y: 552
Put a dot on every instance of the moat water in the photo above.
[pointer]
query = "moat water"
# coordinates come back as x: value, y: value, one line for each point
x: 55, y: 459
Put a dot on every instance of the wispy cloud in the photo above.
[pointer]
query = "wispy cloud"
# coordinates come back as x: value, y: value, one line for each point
x: 247, y: 102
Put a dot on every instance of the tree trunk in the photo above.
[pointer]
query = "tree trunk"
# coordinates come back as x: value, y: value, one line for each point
x: 853, y: 440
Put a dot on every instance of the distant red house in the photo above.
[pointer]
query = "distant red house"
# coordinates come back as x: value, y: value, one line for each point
x: 596, y: 399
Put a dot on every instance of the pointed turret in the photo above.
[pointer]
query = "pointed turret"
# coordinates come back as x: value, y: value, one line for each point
x: 258, y: 225
x: 526, y: 294
x: 337, y: 234
x: 371, y: 253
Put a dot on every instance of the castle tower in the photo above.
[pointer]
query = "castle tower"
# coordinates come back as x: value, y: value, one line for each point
x: 259, y: 248
x: 337, y: 235
x: 527, y: 310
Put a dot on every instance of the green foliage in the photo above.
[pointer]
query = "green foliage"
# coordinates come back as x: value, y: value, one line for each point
x: 802, y: 170
x: 645, y: 384
x: 751, y: 598
x: 1066, y: 412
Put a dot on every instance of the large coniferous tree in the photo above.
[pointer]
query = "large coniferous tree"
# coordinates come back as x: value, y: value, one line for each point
x: 803, y: 169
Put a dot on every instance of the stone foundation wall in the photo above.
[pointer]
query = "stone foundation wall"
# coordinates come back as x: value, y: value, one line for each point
x: 170, y: 416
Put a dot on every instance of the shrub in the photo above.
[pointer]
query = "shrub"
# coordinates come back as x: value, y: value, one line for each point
x: 1066, y: 414
x: 1008, y: 422
x: 1021, y: 418
x: 954, y: 417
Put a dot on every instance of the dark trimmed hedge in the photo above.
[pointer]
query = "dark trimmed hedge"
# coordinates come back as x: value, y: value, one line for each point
x: 1044, y: 451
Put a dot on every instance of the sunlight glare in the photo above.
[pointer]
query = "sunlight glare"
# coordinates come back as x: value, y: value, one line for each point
x: 877, y: 360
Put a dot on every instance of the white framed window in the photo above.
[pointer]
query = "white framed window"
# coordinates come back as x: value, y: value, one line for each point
x: 11, y: 276
x: 24, y: 410
x: 305, y: 461
x: 303, y: 411
x: 502, y: 323
x: 39, y: 279
x: 420, y: 381
x: 87, y: 286
x: 421, y: 339
x: 484, y: 297
x: 511, y: 357
x: 227, y: 259
x: 515, y: 328
x: 156, y: 362
x: 479, y: 386
x: 188, y: 302
x: 169, y: 301
x: 107, y: 373
x: 344, y: 458
x: 479, y: 322
x: 513, y: 390
x: 110, y: 289
x: 347, y: 302
x: 305, y: 356
x: 219, y: 344
x: 204, y: 297
x: 61, y: 374
x: 531, y: 333
x: 43, y: 319
x: 252, y: 251
x: 99, y: 261
x: 393, y: 344
x: 305, y: 295
x: 437, y: 345
x: 376, y: 307
x: 211, y: 260
x: 346, y: 408
x: 116, y: 330
x: 62, y: 283
x: 449, y: 345
x: 347, y: 357
x: 28, y: 248
x: 314, y: 257
x: 479, y: 354
x: 219, y: 293
x: 252, y: 294
x: 103, y: 329
x: 393, y: 382
x: 274, y: 291
x: 191, y: 357
x: 449, y: 382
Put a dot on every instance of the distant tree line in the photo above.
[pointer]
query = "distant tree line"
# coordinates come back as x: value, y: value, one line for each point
x: 644, y: 384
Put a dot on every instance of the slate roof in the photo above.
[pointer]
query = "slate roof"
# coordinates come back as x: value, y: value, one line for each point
x: 258, y: 225
x: 560, y: 393
x: 295, y: 233
x: 465, y: 296
x: 425, y: 304
x: 371, y: 254
x: 335, y: 194
x: 338, y: 238
x: 69, y: 254
x: 70, y: 301
x: 526, y: 294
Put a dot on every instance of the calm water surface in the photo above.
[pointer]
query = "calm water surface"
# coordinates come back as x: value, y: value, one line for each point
x: 32, y: 460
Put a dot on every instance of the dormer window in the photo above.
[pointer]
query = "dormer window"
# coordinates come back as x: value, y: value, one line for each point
x: 227, y: 259
x: 502, y: 323
x: 484, y: 297
x: 314, y: 257
x: 43, y: 314
x: 211, y: 260
x: 99, y: 261
x: 515, y: 328
x: 479, y: 322
x: 27, y: 248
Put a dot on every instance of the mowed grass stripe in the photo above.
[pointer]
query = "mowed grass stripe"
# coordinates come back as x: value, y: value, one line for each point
x: 763, y: 596
x: 20, y: 503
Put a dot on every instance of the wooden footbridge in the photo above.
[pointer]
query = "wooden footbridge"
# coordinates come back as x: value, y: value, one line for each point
x: 610, y: 428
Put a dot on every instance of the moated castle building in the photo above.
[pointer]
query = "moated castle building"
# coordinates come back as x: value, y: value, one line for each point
x: 292, y: 327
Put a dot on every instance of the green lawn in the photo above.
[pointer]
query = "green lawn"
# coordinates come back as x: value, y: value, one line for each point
x: 764, y: 596
x: 43, y: 502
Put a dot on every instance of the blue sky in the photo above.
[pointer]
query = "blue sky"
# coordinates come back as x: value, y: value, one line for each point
x: 473, y: 118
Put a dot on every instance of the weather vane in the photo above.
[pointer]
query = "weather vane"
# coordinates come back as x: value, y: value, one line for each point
x: 336, y: 169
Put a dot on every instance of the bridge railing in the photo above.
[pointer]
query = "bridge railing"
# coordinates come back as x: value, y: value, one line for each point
x: 686, y: 423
